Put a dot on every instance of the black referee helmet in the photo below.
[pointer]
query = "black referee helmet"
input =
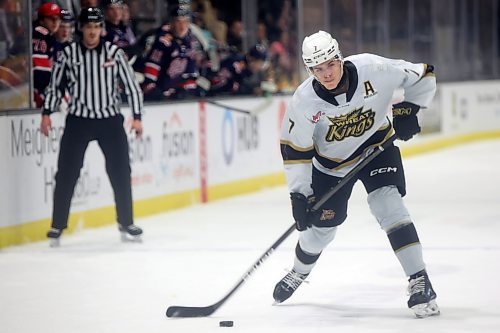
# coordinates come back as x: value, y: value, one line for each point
x: 91, y: 15
x: 66, y: 16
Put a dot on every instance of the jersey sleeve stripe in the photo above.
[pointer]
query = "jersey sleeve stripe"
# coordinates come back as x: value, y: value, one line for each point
x: 297, y: 162
x: 295, y: 147
x: 292, y: 155
x: 428, y: 72
x: 152, y: 71
x: 42, y: 63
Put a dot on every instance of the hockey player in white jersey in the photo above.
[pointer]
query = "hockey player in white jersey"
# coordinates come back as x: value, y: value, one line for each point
x: 336, y: 117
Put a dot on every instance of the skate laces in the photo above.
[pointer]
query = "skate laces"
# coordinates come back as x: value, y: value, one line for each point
x: 416, y: 285
x: 294, y: 279
x: 132, y: 228
x: 129, y: 228
x: 54, y: 233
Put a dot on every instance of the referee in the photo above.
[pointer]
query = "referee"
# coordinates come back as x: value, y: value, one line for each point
x: 91, y: 69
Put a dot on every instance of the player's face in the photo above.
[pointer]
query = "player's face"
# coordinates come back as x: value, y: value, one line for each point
x: 64, y: 32
x: 181, y: 26
x: 51, y: 23
x: 328, y: 73
x: 114, y: 13
x: 91, y: 34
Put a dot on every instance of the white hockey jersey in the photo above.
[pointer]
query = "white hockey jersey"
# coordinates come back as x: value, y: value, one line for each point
x: 334, y: 132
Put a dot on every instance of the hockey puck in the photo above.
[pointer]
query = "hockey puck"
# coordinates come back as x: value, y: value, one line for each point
x: 226, y: 323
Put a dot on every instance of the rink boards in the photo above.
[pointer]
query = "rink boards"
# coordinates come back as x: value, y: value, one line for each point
x: 193, y: 152
x: 189, y: 153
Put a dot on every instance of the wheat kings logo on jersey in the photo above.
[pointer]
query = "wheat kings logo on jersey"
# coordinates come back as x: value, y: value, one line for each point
x: 355, y: 123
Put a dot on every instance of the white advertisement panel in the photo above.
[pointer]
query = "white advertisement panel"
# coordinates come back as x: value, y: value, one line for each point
x: 243, y: 145
x: 164, y: 161
x: 470, y: 107
x: 30, y: 160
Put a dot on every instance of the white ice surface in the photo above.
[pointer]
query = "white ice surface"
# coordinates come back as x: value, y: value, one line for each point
x: 94, y: 283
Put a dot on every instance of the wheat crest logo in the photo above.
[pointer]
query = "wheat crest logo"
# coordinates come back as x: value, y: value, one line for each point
x: 355, y: 124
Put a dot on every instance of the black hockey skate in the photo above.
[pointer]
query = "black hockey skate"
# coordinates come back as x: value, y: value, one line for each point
x: 287, y: 286
x: 130, y: 233
x: 54, y: 236
x: 422, y: 297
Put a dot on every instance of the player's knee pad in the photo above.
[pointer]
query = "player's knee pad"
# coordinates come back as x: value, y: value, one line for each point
x: 314, y: 239
x: 386, y: 204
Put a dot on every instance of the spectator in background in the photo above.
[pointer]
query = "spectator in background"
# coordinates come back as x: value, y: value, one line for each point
x: 283, y: 62
x: 259, y: 82
x: 240, y: 74
x: 206, y: 34
x: 262, y: 38
x: 170, y: 69
x: 229, y: 78
x: 47, y: 23
x: 210, y: 16
x: 115, y: 30
x: 235, y: 35
x: 207, y: 58
x: 64, y: 35
x: 129, y: 32
x: 143, y: 46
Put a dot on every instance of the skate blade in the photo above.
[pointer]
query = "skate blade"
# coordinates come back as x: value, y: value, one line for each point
x: 54, y: 242
x: 126, y: 238
x: 426, y: 310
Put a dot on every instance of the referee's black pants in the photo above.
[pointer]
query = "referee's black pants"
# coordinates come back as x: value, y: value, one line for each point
x: 112, y: 140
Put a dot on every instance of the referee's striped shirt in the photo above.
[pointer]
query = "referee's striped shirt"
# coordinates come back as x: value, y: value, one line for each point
x: 92, y: 81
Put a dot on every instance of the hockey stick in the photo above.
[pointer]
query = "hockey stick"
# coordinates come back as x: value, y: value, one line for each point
x: 204, y: 311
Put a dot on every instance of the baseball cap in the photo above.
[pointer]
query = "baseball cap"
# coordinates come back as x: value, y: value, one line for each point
x: 49, y: 9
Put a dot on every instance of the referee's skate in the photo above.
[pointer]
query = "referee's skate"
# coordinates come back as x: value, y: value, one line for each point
x: 54, y: 236
x: 130, y: 233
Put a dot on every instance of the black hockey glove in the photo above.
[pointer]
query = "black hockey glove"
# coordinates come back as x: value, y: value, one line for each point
x: 405, y: 120
x: 300, y: 210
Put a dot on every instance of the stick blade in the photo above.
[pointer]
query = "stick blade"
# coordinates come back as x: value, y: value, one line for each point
x: 190, y: 311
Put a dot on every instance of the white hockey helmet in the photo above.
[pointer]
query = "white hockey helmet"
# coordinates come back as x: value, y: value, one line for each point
x: 318, y: 48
